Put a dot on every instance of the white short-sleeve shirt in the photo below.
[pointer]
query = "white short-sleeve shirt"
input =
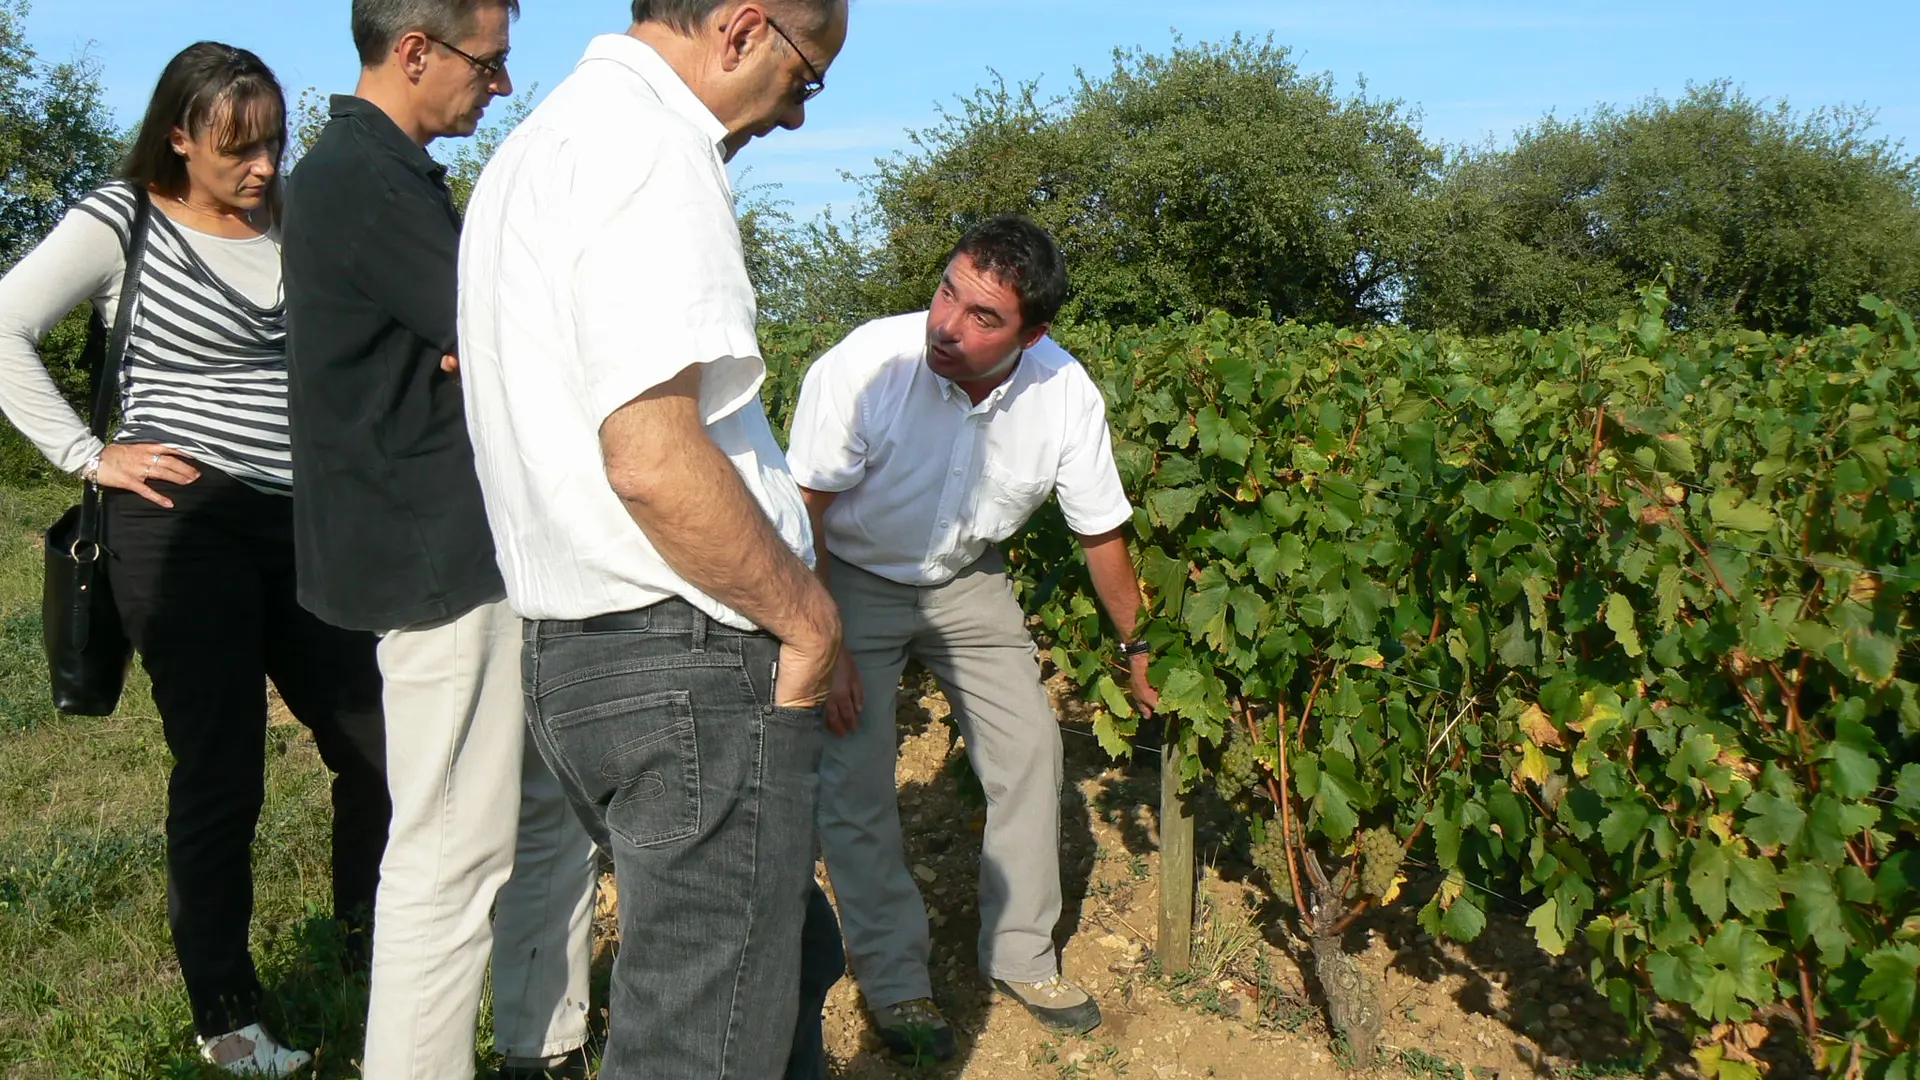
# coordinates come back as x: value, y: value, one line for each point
x: 600, y: 258
x: 926, y: 478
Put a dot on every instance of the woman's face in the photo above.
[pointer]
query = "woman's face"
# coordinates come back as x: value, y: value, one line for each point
x: 237, y: 177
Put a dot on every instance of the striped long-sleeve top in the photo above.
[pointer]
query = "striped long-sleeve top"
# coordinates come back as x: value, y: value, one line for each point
x: 205, y: 371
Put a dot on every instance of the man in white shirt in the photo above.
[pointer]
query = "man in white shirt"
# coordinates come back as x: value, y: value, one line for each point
x: 920, y: 443
x: 678, y: 648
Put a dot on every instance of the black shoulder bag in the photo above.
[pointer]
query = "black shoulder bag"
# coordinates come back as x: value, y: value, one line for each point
x: 87, y: 647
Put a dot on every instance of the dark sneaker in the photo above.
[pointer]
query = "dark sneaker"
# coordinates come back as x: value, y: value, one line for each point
x: 915, y: 1031
x: 573, y: 1066
x: 1055, y: 1002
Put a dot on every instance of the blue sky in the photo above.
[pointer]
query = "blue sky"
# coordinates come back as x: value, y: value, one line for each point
x: 1475, y: 70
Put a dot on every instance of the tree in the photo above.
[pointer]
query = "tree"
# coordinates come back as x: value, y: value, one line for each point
x: 1218, y: 176
x: 1769, y: 220
x: 307, y: 117
x: 57, y: 139
x: 818, y: 273
x: 470, y: 156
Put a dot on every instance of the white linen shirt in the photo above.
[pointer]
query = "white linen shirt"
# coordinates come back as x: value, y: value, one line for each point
x: 600, y: 258
x: 926, y: 478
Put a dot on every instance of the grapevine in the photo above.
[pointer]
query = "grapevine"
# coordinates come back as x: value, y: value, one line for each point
x: 1620, y: 623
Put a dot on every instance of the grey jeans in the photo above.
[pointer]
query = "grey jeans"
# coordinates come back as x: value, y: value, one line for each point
x: 971, y: 633
x: 661, y: 727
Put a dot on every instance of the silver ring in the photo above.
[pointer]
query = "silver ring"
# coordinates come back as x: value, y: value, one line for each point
x: 154, y: 460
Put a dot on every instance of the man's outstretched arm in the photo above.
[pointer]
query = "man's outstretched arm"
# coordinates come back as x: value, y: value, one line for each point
x: 1114, y: 581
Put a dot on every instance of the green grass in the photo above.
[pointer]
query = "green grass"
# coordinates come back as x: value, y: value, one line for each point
x: 89, y: 986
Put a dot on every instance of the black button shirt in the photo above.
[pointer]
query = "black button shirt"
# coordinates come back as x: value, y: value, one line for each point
x: 389, y: 527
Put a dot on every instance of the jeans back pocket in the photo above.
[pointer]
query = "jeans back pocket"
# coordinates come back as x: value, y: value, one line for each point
x: 643, y: 756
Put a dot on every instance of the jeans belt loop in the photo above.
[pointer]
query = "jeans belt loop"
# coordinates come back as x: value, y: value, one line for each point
x: 700, y: 621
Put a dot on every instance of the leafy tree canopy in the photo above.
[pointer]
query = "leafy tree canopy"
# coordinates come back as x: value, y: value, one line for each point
x: 57, y: 139
x: 1770, y: 221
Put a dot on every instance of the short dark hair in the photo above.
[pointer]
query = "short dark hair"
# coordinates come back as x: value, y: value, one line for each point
x: 207, y: 87
x: 685, y: 15
x: 1022, y: 256
x: 377, y: 24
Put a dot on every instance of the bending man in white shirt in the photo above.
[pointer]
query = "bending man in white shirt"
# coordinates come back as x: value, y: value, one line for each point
x: 678, y: 648
x: 920, y: 443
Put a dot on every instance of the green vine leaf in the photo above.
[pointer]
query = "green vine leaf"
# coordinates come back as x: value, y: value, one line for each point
x: 1731, y: 510
x: 1620, y: 621
x: 1892, y: 974
x: 1545, y: 921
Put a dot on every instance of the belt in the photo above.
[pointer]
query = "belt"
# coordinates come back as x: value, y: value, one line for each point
x: 668, y: 616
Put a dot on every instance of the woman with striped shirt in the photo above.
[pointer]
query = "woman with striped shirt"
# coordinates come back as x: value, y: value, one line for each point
x: 199, y: 529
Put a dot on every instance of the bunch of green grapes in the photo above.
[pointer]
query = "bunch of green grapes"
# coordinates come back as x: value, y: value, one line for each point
x: 1379, y: 857
x: 1270, y: 857
x: 1239, y: 767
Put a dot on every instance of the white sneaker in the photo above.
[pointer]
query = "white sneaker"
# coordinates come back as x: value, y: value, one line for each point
x: 252, y: 1052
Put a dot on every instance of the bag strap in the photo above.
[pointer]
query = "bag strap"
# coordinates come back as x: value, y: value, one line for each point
x: 90, y: 529
x: 106, y: 373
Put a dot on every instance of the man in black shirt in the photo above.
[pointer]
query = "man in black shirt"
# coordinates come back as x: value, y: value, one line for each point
x: 392, y: 537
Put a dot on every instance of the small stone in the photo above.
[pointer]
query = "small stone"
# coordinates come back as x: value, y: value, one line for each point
x: 1503, y: 1016
x: 1114, y: 941
x: 1560, y: 1048
x: 925, y: 873
x: 1558, y: 1011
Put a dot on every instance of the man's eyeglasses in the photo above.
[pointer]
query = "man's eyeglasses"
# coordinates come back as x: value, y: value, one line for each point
x: 814, y: 85
x: 492, y: 69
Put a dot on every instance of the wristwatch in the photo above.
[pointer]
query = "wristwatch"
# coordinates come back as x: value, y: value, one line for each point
x: 90, y: 472
x: 1130, y: 649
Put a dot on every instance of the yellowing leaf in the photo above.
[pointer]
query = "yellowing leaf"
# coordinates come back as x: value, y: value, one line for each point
x: 1539, y: 729
x: 1393, y: 893
x: 1721, y: 825
x: 1534, y: 765
x: 1594, y: 711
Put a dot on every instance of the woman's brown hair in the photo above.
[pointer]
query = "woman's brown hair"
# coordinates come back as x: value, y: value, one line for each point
x: 208, y: 86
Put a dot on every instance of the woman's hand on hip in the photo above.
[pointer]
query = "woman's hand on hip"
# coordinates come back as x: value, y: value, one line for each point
x: 131, y: 466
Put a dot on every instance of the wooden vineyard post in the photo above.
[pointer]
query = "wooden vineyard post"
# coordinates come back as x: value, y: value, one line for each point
x: 1176, y: 862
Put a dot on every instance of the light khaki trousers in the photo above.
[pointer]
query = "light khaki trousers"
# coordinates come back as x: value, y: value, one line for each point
x: 484, y: 857
x: 971, y: 633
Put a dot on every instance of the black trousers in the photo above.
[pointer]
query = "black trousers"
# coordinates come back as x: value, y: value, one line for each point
x: 206, y: 590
